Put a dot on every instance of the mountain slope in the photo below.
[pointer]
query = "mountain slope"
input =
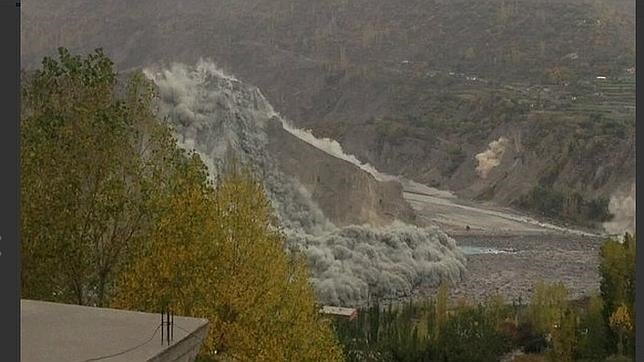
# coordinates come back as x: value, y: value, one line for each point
x: 358, y: 247
x: 417, y: 88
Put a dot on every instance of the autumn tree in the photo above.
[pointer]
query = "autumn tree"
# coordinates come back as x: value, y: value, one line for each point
x: 621, y: 323
x: 218, y: 255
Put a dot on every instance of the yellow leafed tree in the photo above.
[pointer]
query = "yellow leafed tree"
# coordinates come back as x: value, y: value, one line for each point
x: 620, y: 322
x: 217, y: 254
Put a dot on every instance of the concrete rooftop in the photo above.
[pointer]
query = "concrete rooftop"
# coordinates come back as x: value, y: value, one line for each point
x: 350, y: 313
x: 61, y: 332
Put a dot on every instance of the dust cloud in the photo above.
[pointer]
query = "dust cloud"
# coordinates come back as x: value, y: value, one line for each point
x: 490, y: 158
x: 215, y: 114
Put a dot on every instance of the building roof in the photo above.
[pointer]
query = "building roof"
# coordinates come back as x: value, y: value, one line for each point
x: 63, y: 332
x: 339, y: 311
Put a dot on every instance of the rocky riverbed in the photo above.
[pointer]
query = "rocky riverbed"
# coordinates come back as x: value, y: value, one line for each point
x: 508, y: 253
x: 525, y: 260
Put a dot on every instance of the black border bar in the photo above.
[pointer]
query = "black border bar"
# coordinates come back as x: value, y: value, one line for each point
x: 9, y: 174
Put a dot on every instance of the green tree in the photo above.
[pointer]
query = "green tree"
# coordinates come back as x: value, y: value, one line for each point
x: 564, y: 337
x: 592, y: 331
x: 547, y: 305
x: 89, y: 173
x: 440, y: 308
x: 470, y: 336
x: 617, y: 286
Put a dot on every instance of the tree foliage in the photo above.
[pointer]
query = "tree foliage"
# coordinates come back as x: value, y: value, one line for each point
x: 427, y: 330
x: 216, y: 254
x: 564, y: 337
x: 592, y: 336
x: 115, y: 213
x: 92, y: 163
x: 548, y: 304
x: 617, y: 268
x: 551, y: 327
x: 470, y: 336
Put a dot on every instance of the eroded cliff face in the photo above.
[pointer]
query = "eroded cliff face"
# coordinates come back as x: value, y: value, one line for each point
x: 347, y: 194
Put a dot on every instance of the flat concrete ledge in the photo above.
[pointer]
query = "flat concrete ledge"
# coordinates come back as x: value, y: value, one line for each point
x: 62, y: 332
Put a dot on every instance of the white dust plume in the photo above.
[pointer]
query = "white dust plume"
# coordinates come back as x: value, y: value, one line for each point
x: 622, y: 206
x: 490, y: 158
x: 215, y: 114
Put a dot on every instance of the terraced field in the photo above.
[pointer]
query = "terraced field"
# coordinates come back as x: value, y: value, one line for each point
x: 611, y: 96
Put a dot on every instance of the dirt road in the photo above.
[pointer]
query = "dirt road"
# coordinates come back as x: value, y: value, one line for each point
x: 454, y: 215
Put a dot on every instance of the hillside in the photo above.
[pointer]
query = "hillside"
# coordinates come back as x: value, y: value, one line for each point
x: 353, y: 228
x: 417, y: 88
